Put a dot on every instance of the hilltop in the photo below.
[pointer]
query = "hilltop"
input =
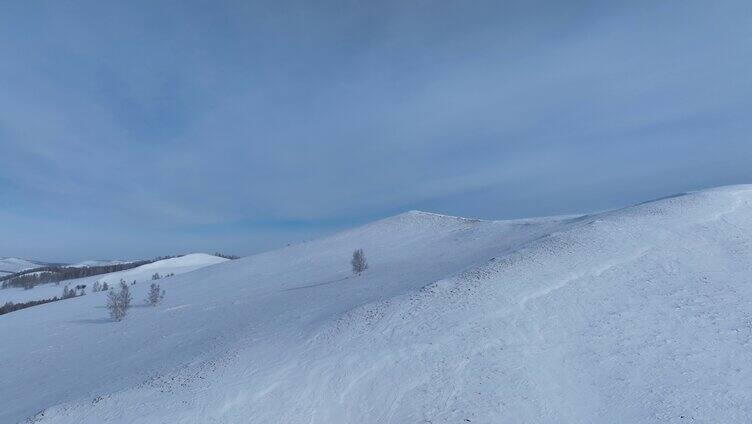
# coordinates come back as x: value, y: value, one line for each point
x: 634, y: 315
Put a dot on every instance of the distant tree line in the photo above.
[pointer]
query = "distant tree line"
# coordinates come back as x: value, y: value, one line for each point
x: 55, y: 274
x: 10, y: 306
x: 36, y: 276
x: 230, y: 257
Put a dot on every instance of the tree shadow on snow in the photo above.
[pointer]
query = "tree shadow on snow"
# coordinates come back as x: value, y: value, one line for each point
x: 92, y: 321
x: 315, y: 284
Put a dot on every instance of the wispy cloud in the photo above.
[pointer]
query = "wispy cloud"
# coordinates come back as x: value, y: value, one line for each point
x: 182, y: 122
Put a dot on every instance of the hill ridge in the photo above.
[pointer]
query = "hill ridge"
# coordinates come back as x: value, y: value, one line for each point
x: 554, y: 320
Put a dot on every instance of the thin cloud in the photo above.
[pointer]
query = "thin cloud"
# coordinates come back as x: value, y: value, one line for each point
x: 184, y: 122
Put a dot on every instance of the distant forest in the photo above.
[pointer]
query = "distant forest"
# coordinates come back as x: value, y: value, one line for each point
x: 55, y: 274
x: 230, y: 257
x: 10, y: 306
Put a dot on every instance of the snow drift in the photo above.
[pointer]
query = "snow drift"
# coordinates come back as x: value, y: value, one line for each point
x: 636, y: 315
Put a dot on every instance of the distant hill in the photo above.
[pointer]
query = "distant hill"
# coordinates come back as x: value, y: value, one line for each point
x: 637, y: 315
x: 92, y: 263
x: 176, y: 266
x: 13, y: 265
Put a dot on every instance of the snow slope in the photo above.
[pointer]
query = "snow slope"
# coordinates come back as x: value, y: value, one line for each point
x: 97, y: 262
x: 179, y: 265
x: 639, y: 315
x: 12, y: 265
x: 142, y: 273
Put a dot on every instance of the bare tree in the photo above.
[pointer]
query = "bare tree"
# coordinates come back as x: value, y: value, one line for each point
x: 96, y: 287
x: 68, y: 293
x: 117, y: 312
x: 155, y: 295
x: 118, y: 302
x: 125, y: 295
x: 358, y: 262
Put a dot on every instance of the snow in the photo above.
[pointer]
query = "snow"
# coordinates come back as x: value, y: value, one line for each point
x: 638, y: 315
x: 13, y: 265
x: 179, y: 265
x: 92, y: 263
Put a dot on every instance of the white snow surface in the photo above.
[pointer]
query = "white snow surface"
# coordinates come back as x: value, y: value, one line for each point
x: 139, y: 274
x: 179, y: 265
x: 639, y: 315
x: 13, y: 265
x: 97, y: 262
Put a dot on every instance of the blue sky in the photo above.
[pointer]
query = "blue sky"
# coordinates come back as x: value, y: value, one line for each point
x: 142, y: 128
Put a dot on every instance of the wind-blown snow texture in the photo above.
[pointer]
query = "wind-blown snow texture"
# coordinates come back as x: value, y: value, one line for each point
x: 637, y: 315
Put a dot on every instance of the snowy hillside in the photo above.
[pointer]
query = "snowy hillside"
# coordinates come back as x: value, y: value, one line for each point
x: 91, y: 263
x: 12, y: 265
x: 639, y: 315
x: 179, y: 265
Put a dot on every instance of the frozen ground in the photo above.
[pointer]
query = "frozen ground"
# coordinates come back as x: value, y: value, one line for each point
x: 639, y: 315
x: 139, y: 274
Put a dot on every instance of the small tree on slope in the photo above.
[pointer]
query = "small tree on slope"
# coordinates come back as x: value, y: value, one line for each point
x: 358, y: 262
x: 119, y: 302
x: 155, y: 295
x: 117, y: 312
x: 125, y: 295
x: 68, y: 293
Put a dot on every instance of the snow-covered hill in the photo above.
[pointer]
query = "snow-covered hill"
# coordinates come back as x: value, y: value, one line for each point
x: 179, y: 265
x: 639, y: 315
x: 13, y: 265
x: 97, y: 262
